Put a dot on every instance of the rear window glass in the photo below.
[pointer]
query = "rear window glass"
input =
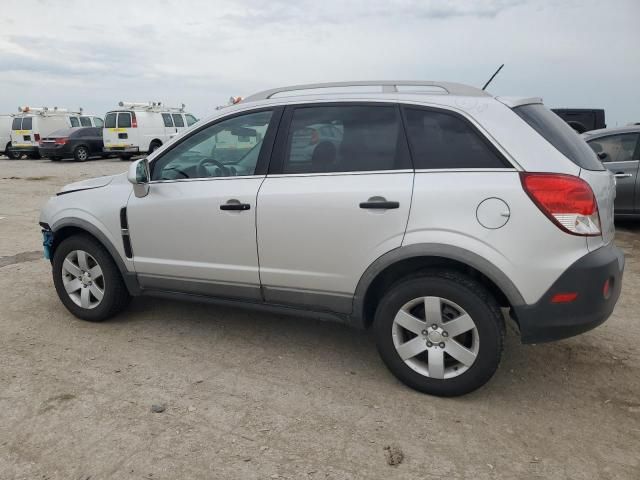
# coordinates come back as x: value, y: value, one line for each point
x: 444, y: 140
x: 177, y: 119
x: 85, y: 121
x: 27, y: 123
x: 124, y: 120
x: 74, y: 121
x: 560, y: 135
x: 17, y: 124
x: 110, y: 120
x: 167, y: 120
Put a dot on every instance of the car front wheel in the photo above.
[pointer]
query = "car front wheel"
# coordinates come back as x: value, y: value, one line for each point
x: 87, y: 279
x: 440, y: 333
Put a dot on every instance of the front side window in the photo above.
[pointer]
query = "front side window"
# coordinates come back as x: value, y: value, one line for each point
x: 110, y: 120
x: 98, y: 121
x: 16, y: 124
x: 616, y: 148
x: 85, y: 121
x: 344, y: 139
x: 219, y: 150
x: 124, y: 120
x: 74, y: 121
x: 444, y: 140
x: 190, y: 119
x: 168, y: 121
x: 177, y: 120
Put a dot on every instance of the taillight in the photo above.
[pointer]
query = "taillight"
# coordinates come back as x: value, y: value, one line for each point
x: 134, y: 121
x: 36, y: 137
x: 61, y: 141
x: 568, y: 201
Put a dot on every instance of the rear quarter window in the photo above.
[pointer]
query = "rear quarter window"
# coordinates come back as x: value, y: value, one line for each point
x: 559, y: 134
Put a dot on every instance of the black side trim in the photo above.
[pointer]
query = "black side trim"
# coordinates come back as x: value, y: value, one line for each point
x: 200, y: 287
x: 317, y: 300
x: 124, y: 226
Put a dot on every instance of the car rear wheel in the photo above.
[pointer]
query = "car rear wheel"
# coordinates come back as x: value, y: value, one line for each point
x: 440, y: 333
x: 81, y: 154
x: 55, y: 159
x: 87, y: 279
x: 13, y: 155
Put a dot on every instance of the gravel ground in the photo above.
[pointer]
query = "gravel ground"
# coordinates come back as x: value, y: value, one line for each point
x: 252, y: 395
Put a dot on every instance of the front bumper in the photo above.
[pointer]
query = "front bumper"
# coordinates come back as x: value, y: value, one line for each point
x: 546, y: 321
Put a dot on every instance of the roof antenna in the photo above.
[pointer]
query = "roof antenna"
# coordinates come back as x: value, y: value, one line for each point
x: 492, y: 77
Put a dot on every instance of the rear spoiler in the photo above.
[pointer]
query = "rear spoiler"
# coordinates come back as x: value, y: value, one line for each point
x: 513, y: 102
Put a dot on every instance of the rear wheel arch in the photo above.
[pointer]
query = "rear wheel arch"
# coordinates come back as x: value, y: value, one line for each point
x: 414, y: 260
x: 156, y: 142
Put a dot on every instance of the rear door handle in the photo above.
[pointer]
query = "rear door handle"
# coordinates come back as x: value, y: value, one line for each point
x: 623, y: 175
x: 234, y: 204
x: 379, y: 203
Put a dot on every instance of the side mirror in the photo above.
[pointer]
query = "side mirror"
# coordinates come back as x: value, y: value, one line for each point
x: 139, y: 176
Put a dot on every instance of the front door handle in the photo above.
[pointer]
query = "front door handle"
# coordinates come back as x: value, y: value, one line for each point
x: 623, y: 175
x: 379, y: 203
x: 234, y: 204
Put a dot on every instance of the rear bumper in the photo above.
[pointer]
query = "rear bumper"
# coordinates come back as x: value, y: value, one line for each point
x: 25, y: 149
x: 57, y: 151
x: 546, y: 321
x: 132, y: 150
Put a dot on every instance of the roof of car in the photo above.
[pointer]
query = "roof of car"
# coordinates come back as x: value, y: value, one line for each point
x: 610, y: 131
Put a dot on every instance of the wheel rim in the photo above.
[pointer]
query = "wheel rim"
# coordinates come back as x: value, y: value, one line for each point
x: 83, y: 279
x: 435, y: 337
x: 82, y: 154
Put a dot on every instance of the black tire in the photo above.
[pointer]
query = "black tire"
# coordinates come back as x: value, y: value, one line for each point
x: 55, y: 159
x: 469, y: 295
x: 126, y: 158
x: 33, y: 156
x: 13, y: 155
x: 81, y: 153
x: 154, y: 146
x: 116, y: 297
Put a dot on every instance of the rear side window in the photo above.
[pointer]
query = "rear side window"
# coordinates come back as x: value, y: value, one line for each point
x: 74, y: 121
x: 166, y: 118
x: 110, y: 120
x: 345, y: 139
x: 617, y: 148
x: 98, y: 122
x: 17, y: 124
x: 177, y: 119
x: 190, y: 119
x: 560, y: 135
x: 445, y: 140
x: 85, y: 121
x: 124, y: 120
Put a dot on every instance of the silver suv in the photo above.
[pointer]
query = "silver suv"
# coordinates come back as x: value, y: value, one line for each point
x: 426, y: 209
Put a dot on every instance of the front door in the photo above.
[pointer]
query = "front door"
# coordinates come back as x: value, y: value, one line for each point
x: 621, y: 156
x: 337, y: 198
x: 195, y: 231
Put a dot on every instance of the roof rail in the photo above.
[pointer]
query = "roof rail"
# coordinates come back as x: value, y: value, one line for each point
x: 48, y: 111
x: 151, y: 106
x: 387, y: 86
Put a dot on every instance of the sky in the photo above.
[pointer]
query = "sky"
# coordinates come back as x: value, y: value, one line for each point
x: 583, y: 53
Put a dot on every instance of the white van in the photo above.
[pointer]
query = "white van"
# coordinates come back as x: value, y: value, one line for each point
x: 35, y: 123
x: 138, y: 128
x: 5, y: 133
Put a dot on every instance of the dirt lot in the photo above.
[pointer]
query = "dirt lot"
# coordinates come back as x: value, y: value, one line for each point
x: 251, y: 395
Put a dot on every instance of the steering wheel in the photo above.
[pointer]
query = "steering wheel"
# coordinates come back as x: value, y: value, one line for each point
x: 203, y: 172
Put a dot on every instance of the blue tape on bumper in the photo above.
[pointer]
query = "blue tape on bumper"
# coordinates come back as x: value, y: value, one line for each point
x: 47, y: 242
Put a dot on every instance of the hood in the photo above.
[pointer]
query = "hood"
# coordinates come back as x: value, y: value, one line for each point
x: 87, y: 184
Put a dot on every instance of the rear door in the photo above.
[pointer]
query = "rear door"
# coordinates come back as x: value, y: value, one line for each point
x: 620, y: 156
x: 331, y: 205
x: 22, y: 134
x: 178, y: 121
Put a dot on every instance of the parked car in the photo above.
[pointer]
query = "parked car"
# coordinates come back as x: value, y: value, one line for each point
x: 582, y: 119
x: 77, y: 143
x: 619, y: 150
x: 432, y: 212
x: 34, y: 123
x: 5, y: 133
x: 138, y: 128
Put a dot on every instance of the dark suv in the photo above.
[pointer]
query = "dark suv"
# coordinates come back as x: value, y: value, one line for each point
x: 77, y: 143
